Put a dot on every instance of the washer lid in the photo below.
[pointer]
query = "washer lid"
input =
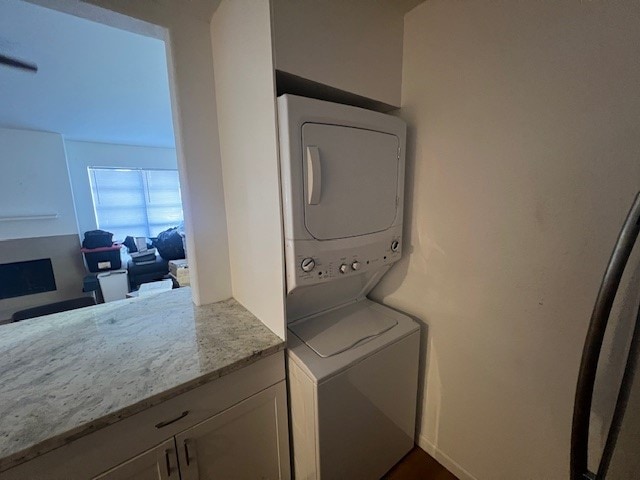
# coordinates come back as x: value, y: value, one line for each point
x: 342, y: 329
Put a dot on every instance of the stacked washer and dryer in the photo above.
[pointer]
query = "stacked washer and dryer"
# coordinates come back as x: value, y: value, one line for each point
x: 353, y: 363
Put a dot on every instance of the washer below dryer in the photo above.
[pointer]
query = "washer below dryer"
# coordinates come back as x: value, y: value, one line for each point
x: 353, y: 383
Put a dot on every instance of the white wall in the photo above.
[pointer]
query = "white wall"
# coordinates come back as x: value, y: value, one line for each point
x: 353, y: 45
x: 522, y: 163
x: 195, y: 123
x: 245, y: 93
x: 81, y: 155
x: 34, y: 181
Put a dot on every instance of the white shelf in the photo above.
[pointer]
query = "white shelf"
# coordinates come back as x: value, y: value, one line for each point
x: 24, y: 218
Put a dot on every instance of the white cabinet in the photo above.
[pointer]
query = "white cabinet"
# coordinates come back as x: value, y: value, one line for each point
x: 159, y: 463
x: 244, y: 442
x: 353, y: 46
x: 235, y: 426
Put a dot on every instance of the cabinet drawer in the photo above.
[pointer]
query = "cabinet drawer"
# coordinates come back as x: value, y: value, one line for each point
x: 95, y: 453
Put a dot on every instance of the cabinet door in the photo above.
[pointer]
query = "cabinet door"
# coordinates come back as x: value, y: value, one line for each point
x: 159, y: 463
x: 247, y: 441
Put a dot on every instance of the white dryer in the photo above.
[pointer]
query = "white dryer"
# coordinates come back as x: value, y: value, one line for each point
x: 353, y: 364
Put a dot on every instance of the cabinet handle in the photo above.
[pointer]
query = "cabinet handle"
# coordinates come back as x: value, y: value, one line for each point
x: 169, y: 422
x: 168, y: 462
x: 186, y: 452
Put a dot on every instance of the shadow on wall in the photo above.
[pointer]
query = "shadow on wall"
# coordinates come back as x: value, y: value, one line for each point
x: 396, y: 276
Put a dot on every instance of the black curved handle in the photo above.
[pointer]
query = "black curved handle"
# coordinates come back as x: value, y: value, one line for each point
x: 169, y: 422
x: 593, y: 342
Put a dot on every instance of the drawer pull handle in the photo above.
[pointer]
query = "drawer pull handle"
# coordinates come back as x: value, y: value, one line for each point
x: 169, y: 422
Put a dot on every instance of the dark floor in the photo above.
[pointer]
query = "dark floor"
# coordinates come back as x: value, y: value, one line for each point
x: 418, y: 465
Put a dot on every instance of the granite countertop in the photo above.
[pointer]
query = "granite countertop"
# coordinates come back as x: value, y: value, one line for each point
x: 65, y: 375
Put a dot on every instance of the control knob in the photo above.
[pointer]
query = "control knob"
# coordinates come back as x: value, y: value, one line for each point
x: 395, y: 246
x: 355, y: 265
x: 343, y: 268
x: 308, y: 264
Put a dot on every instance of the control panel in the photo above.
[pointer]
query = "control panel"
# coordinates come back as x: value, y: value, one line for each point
x: 314, y: 265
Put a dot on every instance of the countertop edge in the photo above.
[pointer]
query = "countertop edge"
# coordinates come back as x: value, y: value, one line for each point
x: 74, y: 434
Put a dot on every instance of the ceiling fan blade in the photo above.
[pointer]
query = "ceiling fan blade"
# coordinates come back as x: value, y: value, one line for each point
x: 14, y: 62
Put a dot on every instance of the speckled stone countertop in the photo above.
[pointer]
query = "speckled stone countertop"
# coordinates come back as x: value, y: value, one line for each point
x: 68, y: 374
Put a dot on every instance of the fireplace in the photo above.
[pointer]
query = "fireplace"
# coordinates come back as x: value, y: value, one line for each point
x: 26, y: 278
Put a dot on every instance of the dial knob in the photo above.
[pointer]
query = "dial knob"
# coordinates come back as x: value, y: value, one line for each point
x: 343, y: 268
x: 355, y: 265
x: 308, y: 264
x: 395, y: 246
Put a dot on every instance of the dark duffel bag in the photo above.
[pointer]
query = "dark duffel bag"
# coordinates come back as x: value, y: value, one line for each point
x: 169, y: 244
x: 97, y: 239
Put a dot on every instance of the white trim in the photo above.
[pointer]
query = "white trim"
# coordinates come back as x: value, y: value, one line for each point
x: 185, y: 28
x: 444, y: 459
x: 22, y: 218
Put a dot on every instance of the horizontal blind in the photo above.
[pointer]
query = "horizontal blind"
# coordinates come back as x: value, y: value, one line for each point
x: 164, y: 206
x: 135, y: 202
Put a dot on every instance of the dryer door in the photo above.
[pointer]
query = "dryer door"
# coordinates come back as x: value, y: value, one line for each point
x: 350, y: 180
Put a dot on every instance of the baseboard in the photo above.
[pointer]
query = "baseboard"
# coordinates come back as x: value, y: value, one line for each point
x: 444, y: 459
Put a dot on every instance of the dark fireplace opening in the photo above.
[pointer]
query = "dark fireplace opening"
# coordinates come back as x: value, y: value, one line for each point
x: 26, y: 278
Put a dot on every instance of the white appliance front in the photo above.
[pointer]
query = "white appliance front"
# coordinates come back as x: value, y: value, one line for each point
x: 352, y: 180
x: 353, y: 412
x: 353, y: 364
x: 342, y: 172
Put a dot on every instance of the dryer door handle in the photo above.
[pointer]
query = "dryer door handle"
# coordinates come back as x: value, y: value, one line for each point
x: 314, y: 175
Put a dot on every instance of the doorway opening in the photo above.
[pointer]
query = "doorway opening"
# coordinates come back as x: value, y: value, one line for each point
x: 88, y: 143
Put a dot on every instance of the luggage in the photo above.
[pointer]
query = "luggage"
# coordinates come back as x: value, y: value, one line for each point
x: 169, y: 244
x: 97, y: 239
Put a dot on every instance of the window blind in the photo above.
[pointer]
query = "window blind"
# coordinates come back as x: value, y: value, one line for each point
x: 136, y: 202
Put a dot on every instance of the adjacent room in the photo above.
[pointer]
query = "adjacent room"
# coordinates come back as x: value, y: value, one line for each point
x: 87, y: 142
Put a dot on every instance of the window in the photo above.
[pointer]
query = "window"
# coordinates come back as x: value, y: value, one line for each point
x: 136, y: 202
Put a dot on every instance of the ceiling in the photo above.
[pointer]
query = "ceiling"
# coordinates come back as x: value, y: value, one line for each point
x: 94, y: 82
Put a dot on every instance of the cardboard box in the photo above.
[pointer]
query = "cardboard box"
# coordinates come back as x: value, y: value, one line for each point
x: 179, y: 270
